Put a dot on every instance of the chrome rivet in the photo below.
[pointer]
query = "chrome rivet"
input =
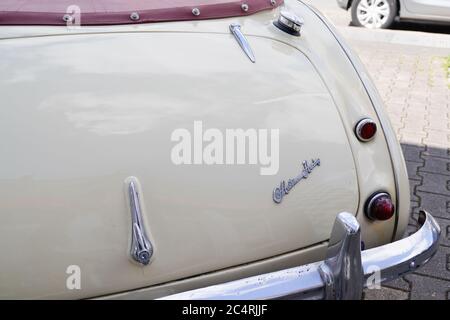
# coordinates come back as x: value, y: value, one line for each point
x: 273, y: 2
x: 244, y: 7
x: 134, y: 16
x: 412, y: 265
x: 67, y: 18
x: 196, y: 11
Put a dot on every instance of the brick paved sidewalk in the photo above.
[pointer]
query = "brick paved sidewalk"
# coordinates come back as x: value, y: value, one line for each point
x: 413, y: 83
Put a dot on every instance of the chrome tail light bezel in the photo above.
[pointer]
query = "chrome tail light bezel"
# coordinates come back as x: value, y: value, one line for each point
x: 359, y: 127
x: 371, y: 201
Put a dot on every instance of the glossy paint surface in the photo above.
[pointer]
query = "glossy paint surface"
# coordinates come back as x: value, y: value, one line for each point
x: 84, y: 110
x: 94, y: 116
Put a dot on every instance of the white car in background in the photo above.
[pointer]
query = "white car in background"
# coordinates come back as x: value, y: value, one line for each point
x: 92, y: 98
x: 382, y: 13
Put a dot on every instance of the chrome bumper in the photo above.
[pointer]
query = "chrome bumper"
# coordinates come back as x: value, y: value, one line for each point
x: 342, y: 275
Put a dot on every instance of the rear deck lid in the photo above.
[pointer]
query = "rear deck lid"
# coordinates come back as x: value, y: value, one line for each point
x: 82, y: 113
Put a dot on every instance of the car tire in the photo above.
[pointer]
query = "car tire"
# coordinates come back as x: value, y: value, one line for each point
x: 374, y: 14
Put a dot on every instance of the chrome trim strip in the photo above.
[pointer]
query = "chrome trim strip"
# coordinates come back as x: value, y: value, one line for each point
x: 307, y: 282
x: 240, y: 38
x: 141, y: 247
x: 304, y: 281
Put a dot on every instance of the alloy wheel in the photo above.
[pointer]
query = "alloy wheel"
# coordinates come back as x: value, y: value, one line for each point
x: 373, y: 13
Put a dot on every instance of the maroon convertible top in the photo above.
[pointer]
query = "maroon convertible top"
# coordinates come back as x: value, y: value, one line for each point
x: 100, y: 12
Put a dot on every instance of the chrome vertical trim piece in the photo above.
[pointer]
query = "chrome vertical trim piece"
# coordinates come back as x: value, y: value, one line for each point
x: 342, y: 271
x: 236, y: 31
x: 141, y: 247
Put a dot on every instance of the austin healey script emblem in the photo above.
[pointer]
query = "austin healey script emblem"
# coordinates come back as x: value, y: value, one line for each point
x: 285, y: 187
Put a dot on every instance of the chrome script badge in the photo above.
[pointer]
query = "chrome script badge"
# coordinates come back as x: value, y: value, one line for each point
x: 285, y: 187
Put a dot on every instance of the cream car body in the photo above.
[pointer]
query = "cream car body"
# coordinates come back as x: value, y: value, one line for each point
x: 83, y: 110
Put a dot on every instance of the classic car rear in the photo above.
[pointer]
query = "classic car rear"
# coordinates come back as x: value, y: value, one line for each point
x: 89, y: 123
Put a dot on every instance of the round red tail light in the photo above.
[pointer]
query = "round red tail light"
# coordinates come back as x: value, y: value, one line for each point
x: 365, y: 130
x: 379, y: 206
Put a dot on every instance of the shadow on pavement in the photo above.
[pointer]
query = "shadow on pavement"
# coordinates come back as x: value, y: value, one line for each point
x: 426, y: 166
x: 421, y: 26
x: 417, y: 26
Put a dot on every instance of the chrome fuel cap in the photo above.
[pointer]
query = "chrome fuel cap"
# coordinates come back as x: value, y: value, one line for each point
x: 290, y: 23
